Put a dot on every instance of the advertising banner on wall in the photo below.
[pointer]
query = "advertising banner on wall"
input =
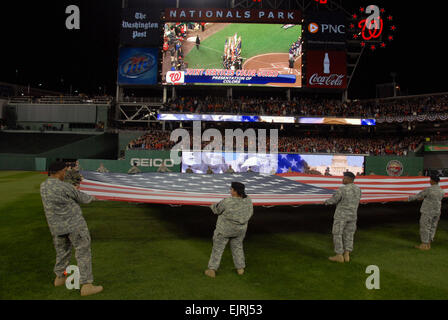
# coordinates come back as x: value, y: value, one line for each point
x: 325, y: 27
x: 394, y: 166
x: 140, y: 27
x: 338, y: 121
x: 436, y: 148
x: 138, y: 66
x: 150, y: 160
x: 222, y: 118
x: 326, y: 69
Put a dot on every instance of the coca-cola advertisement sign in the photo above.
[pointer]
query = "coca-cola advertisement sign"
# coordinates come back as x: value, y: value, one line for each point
x: 326, y: 69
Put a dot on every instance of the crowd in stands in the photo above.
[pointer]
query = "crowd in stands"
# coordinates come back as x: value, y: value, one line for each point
x: 160, y: 140
x: 152, y: 140
x: 311, y: 107
x: 314, y: 107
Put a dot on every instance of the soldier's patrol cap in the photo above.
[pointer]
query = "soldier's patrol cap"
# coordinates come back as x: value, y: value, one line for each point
x: 435, y: 178
x: 56, y: 167
x: 349, y: 174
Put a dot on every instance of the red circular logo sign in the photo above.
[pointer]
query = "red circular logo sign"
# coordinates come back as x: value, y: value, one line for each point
x: 394, y: 168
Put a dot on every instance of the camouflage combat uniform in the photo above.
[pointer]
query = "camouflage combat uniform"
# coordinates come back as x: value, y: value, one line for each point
x: 67, y: 226
x: 134, y: 170
x: 73, y: 177
x: 344, y: 226
x: 430, y: 211
x: 163, y: 169
x: 233, y: 217
x: 230, y: 170
x: 189, y: 170
x: 102, y: 170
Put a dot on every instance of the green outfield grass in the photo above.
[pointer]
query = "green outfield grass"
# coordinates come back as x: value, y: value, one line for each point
x: 256, y: 39
x: 159, y: 252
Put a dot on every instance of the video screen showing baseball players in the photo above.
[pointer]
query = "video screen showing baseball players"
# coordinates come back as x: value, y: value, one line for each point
x: 232, y: 54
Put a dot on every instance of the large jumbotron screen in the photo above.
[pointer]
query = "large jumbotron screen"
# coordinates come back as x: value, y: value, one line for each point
x: 219, y: 162
x: 233, y: 54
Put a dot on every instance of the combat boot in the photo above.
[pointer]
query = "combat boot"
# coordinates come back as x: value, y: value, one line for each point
x: 210, y: 273
x: 89, y: 289
x: 337, y: 258
x: 423, y: 247
x: 59, y: 281
x: 347, y: 256
x: 240, y: 271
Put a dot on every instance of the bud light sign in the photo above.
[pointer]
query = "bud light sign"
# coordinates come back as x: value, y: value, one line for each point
x: 137, y: 66
x: 327, y: 69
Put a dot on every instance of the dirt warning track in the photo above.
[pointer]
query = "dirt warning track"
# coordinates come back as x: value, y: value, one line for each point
x: 276, y: 62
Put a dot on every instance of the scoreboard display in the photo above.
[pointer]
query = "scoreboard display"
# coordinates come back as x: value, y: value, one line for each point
x: 241, y: 47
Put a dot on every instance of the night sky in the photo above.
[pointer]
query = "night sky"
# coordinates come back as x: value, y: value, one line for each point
x: 36, y: 43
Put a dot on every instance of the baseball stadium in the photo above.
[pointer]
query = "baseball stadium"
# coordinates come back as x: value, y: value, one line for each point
x: 233, y: 151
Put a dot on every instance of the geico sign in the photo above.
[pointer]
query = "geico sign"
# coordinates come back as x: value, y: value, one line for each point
x: 326, y: 28
x: 152, y: 162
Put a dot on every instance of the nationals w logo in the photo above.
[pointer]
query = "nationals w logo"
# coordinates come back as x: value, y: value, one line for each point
x: 175, y: 77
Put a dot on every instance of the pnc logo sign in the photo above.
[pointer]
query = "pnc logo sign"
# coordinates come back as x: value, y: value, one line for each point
x: 313, y: 27
x: 326, y: 28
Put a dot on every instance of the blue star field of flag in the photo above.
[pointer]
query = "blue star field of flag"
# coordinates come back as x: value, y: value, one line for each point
x: 293, y: 161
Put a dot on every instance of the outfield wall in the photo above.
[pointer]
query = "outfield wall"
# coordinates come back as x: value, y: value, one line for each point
x: 151, y: 160
x: 147, y: 161
x: 17, y: 162
x: 103, y: 146
x: 2, y: 103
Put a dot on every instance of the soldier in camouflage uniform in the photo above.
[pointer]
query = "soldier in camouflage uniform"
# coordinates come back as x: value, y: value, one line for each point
x: 102, y: 169
x: 209, y: 170
x: 134, y: 169
x: 347, y: 200
x: 189, y: 170
x: 430, y: 211
x: 230, y: 170
x: 163, y: 168
x: 233, y: 216
x: 73, y: 176
x: 67, y: 226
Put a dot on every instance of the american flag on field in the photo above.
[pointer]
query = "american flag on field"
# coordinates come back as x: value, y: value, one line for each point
x: 374, y: 188
x: 199, y: 189
x: 274, y: 190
